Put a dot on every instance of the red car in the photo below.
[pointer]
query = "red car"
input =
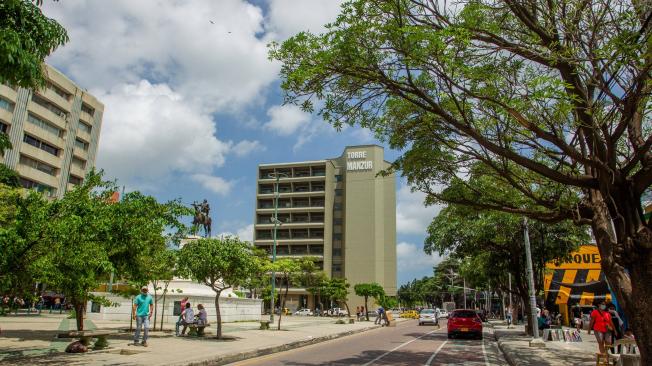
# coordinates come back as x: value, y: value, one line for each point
x: 464, y: 322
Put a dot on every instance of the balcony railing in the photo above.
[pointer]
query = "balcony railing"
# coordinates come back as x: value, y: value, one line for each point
x: 317, y: 204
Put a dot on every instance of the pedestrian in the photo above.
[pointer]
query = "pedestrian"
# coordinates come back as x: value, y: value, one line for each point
x: 618, y: 323
x: 188, y: 316
x: 577, y: 317
x: 202, y: 316
x: 142, y: 311
x: 508, y: 316
x: 180, y: 319
x: 601, y: 325
x: 379, y: 315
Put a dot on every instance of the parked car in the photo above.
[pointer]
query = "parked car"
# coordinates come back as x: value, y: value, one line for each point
x: 303, y: 312
x: 337, y: 312
x: 443, y: 314
x: 410, y: 314
x: 464, y: 322
x: 428, y: 316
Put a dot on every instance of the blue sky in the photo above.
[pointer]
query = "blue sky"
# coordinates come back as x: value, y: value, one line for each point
x: 193, y: 105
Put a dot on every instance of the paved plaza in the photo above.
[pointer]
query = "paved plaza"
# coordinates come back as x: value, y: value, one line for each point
x: 31, y: 340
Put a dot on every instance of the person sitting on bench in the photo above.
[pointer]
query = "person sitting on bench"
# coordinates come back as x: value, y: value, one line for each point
x: 187, y: 318
x: 202, y: 316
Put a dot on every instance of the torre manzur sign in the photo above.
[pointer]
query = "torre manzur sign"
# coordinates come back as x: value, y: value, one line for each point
x: 354, y: 161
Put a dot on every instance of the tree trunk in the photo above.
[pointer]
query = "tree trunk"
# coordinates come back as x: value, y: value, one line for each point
x: 165, y: 291
x: 155, y: 305
x: 626, y: 254
x: 366, y: 311
x: 218, y: 315
x: 348, y: 312
x: 280, y: 311
x: 78, y: 305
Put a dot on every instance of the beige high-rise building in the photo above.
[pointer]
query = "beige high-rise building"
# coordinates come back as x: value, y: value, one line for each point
x: 54, y: 133
x: 337, y: 210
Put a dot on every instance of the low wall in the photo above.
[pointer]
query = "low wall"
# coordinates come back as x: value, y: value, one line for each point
x: 232, y: 308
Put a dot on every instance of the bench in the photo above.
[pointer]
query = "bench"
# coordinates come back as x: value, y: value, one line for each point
x: 86, y: 336
x: 197, y: 330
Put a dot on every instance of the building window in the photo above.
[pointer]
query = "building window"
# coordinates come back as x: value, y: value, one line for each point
x: 45, y: 168
x: 59, y: 91
x: 5, y: 104
x: 96, y: 307
x: 337, y: 206
x: 87, y: 109
x: 47, y: 190
x: 337, y: 236
x: 337, y: 252
x: 337, y: 221
x: 44, y: 125
x: 81, y: 144
x: 3, y: 127
x: 337, y: 268
x: 79, y: 163
x: 338, y: 191
x: 75, y: 180
x: 85, y: 127
x: 41, y: 145
x: 338, y: 177
x: 48, y: 105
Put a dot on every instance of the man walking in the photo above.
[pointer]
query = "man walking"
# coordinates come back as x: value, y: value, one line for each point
x: 142, y: 312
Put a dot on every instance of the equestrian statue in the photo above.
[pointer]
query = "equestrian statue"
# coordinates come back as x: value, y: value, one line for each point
x: 202, y: 218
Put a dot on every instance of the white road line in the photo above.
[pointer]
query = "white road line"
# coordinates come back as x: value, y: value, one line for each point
x: 397, y: 347
x: 435, y: 354
x: 484, y: 352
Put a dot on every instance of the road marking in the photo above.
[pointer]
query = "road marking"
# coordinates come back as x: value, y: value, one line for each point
x: 484, y: 352
x: 397, y: 347
x: 435, y: 354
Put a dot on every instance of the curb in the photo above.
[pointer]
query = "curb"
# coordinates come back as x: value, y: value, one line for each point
x: 230, y: 358
x: 508, y: 357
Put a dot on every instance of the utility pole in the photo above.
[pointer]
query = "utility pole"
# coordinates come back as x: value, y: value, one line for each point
x: 536, y: 341
x: 464, y: 290
x: 276, y: 222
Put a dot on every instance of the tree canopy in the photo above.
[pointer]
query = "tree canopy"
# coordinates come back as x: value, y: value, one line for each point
x: 219, y: 264
x: 27, y: 37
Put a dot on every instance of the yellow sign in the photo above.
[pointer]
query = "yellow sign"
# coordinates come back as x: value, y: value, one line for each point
x: 587, y: 257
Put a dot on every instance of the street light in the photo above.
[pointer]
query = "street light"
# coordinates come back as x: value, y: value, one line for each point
x: 277, y: 223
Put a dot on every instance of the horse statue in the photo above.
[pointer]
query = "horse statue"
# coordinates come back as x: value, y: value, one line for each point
x: 202, y: 218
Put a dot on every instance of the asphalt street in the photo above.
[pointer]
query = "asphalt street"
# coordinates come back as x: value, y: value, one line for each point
x: 406, y: 344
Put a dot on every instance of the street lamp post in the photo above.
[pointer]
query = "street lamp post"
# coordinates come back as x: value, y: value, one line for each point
x: 276, y: 222
x: 536, y: 341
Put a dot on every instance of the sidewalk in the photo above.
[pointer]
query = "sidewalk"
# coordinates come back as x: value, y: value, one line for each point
x: 515, y: 346
x: 31, y: 341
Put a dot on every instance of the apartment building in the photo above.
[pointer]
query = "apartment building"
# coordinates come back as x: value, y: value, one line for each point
x: 54, y: 133
x: 337, y: 210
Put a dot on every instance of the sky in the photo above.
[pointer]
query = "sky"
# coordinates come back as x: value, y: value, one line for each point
x: 193, y: 104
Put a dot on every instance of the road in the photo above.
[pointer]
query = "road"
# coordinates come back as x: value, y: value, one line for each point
x: 406, y: 344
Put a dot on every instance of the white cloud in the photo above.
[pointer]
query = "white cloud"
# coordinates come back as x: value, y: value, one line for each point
x: 212, y: 183
x: 411, y: 258
x: 212, y: 52
x: 412, y: 216
x: 288, y: 17
x: 246, y: 147
x: 245, y: 233
x: 286, y: 119
x: 149, y: 132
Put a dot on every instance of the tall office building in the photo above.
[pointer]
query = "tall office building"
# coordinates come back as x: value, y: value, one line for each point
x: 337, y: 210
x: 54, y: 133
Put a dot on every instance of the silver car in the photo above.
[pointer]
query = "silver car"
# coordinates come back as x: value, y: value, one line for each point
x: 428, y: 316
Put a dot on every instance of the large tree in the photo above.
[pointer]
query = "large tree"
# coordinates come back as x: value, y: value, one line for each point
x: 551, y: 96
x: 219, y: 264
x: 27, y: 37
x: 367, y: 290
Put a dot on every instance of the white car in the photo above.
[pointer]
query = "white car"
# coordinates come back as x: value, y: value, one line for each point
x: 443, y: 313
x: 303, y: 312
x: 428, y: 316
x: 337, y: 312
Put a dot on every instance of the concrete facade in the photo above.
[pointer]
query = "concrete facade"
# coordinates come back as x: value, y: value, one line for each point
x: 54, y: 133
x: 338, y: 210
